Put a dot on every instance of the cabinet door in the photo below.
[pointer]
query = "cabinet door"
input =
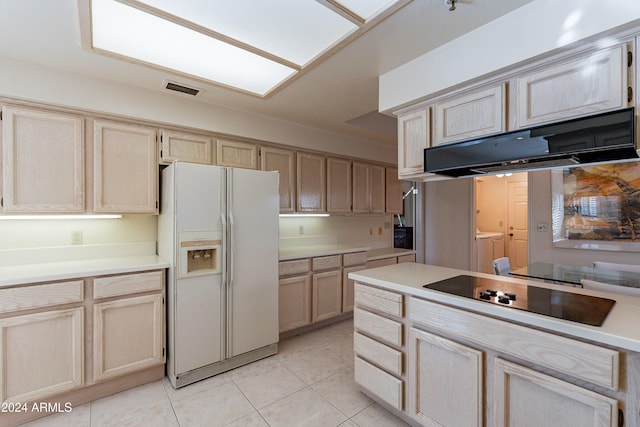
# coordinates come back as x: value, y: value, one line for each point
x: 360, y: 188
x: 338, y: 185
x: 235, y: 154
x: 442, y: 371
x: 274, y: 159
x: 377, y: 184
x: 527, y: 398
x: 43, y: 161
x: 311, y: 183
x: 128, y: 335
x: 470, y: 115
x: 125, y: 168
x: 327, y: 295
x: 393, y: 192
x: 294, y: 302
x: 41, y: 354
x: 588, y: 85
x: 185, y: 148
x: 348, y: 287
x: 413, y: 138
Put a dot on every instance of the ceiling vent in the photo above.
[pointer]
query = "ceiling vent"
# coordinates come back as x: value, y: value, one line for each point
x: 180, y: 88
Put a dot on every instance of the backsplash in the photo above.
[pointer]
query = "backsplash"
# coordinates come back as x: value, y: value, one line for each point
x: 370, y: 231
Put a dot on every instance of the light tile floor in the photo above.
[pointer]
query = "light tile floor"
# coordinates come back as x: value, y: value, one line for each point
x: 308, y: 383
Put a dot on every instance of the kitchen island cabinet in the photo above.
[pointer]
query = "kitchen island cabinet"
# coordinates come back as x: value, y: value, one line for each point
x: 508, y: 366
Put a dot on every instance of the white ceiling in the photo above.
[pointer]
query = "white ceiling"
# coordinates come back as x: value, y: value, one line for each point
x: 340, y: 94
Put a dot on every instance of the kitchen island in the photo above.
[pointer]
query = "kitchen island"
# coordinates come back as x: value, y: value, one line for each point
x: 435, y: 358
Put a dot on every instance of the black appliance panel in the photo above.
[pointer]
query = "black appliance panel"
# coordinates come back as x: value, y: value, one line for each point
x: 570, y: 306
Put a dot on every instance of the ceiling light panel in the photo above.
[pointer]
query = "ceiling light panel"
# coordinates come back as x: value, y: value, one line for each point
x: 366, y: 9
x: 295, y: 30
x: 132, y: 33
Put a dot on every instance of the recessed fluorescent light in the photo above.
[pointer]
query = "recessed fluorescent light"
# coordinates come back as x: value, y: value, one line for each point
x: 129, y: 32
x: 2, y: 217
x: 302, y: 215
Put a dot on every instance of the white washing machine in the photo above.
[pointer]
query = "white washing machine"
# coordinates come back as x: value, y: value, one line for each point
x: 489, y: 246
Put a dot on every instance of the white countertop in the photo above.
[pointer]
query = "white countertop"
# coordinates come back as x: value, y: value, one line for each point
x: 620, y: 328
x: 295, y: 252
x: 50, y: 271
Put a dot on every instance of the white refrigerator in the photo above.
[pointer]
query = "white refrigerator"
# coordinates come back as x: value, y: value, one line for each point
x: 218, y: 228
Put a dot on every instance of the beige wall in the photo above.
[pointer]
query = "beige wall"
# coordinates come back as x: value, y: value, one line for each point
x: 366, y: 231
x: 24, y: 234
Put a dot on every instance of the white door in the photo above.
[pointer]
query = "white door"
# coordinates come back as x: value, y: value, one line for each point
x: 252, y: 290
x: 517, y: 227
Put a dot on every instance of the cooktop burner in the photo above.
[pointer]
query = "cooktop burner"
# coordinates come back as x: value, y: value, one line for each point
x: 549, y: 302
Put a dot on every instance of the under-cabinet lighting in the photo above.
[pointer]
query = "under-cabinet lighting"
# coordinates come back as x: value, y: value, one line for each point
x: 109, y: 216
x: 302, y: 215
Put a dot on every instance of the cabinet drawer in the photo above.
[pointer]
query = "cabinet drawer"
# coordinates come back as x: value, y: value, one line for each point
x: 406, y: 258
x: 296, y: 266
x: 36, y: 296
x: 383, y: 356
x: 355, y: 258
x: 380, y: 327
x: 385, y: 386
x: 379, y: 299
x: 382, y: 262
x: 326, y: 262
x: 125, y: 284
x: 589, y: 362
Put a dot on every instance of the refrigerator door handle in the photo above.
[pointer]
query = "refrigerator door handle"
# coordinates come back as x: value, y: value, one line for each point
x: 230, y: 249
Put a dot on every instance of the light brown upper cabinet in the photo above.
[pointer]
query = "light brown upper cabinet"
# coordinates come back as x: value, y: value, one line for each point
x: 338, y: 185
x: 185, y: 147
x: 311, y: 183
x: 469, y: 115
x: 275, y: 159
x: 43, y: 161
x: 125, y: 168
x: 236, y: 154
x: 413, y: 138
x: 592, y: 83
x: 393, y: 192
x: 368, y: 188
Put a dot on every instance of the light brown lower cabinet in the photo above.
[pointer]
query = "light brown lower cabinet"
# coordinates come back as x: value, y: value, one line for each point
x: 128, y: 335
x: 466, y: 369
x: 527, y: 398
x: 442, y: 372
x: 327, y: 295
x: 41, y: 354
x: 294, y: 302
x: 79, y: 340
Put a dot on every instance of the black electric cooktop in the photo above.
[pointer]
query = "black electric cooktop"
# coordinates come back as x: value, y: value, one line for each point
x: 579, y: 308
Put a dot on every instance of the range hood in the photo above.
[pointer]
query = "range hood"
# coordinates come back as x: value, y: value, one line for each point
x: 599, y: 138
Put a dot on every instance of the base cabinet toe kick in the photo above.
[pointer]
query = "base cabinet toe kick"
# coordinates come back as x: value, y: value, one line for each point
x: 433, y: 364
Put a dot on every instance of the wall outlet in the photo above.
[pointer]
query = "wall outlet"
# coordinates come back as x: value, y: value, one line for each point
x: 76, y: 237
x: 379, y: 231
x: 542, y: 227
x: 301, y: 229
x: 371, y: 232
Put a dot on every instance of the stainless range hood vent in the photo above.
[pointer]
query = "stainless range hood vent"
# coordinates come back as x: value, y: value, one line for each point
x: 600, y: 138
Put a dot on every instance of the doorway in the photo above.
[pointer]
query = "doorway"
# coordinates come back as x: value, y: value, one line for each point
x: 502, y: 216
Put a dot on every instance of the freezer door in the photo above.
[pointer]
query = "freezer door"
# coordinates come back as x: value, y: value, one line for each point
x: 199, y: 196
x: 252, y: 292
x: 198, y: 323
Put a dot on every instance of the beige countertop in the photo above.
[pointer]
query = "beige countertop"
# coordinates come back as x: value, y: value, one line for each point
x: 619, y: 329
x: 51, y: 271
x: 335, y: 249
